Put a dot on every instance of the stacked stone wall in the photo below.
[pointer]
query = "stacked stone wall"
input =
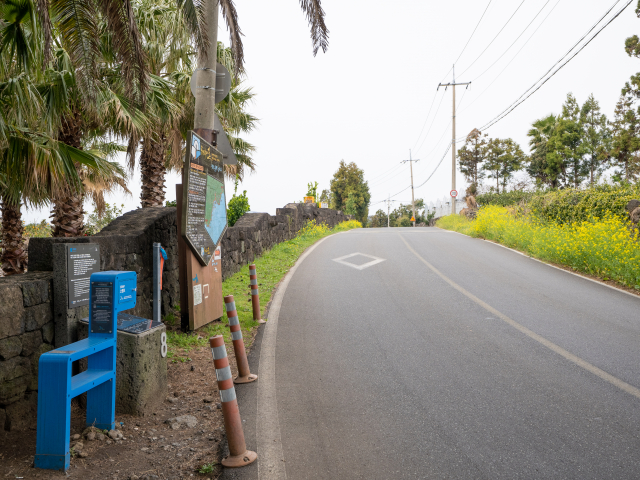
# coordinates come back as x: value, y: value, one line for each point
x: 26, y: 332
x: 27, y: 323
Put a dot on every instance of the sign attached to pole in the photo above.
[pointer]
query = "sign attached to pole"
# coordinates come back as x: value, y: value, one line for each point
x: 204, y: 208
x: 413, y: 219
x: 453, y: 193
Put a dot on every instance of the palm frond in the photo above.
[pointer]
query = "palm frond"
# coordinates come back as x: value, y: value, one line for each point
x: 231, y: 19
x: 319, y: 31
x: 193, y: 11
x: 127, y: 45
x: 78, y: 31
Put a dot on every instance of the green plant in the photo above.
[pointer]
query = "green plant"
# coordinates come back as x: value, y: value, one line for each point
x: 312, y: 190
x: 97, y: 222
x: 171, y: 203
x: 238, y: 206
x: 208, y: 468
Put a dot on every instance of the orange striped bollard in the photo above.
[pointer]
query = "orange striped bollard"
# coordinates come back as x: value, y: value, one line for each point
x: 239, y: 456
x: 255, y: 299
x: 244, y: 375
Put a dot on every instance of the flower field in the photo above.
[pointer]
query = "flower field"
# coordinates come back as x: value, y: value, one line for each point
x: 604, y: 247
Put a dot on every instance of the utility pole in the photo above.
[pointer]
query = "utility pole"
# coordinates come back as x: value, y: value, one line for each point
x: 413, y: 203
x: 453, y: 136
x: 205, y: 94
x: 389, y: 210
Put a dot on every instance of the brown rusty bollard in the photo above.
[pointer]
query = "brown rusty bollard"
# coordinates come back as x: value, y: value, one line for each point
x: 255, y: 298
x: 244, y: 375
x: 239, y: 456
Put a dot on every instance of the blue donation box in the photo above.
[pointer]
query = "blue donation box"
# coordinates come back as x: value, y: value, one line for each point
x: 110, y: 293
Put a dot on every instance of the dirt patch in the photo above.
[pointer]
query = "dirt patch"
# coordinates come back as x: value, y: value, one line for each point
x: 150, y: 448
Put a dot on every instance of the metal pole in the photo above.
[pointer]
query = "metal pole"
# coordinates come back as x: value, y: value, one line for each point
x: 453, y: 136
x: 205, y: 98
x: 156, y: 282
x: 413, y: 203
x: 453, y: 147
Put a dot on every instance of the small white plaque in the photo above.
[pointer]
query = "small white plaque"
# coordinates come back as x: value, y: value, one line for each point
x: 197, y: 294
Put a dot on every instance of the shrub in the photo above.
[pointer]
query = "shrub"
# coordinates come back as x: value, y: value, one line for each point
x: 96, y: 222
x: 238, y: 206
x: 504, y: 199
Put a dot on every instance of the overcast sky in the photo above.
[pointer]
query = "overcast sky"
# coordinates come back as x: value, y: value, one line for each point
x: 367, y: 98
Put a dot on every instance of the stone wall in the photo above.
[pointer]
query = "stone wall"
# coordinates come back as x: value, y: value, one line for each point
x: 254, y: 233
x: 26, y: 332
x: 26, y: 301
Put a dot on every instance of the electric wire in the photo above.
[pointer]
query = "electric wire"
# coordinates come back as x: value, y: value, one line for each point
x: 513, y: 58
x: 472, y: 33
x: 432, y: 122
x: 494, y: 38
x: 514, y: 42
x: 520, y: 100
x: 374, y: 179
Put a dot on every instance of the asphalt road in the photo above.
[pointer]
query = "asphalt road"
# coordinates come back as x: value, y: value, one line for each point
x: 451, y: 358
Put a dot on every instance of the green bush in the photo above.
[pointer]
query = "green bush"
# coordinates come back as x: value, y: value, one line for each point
x: 571, y: 205
x: 506, y: 199
x: 238, y: 206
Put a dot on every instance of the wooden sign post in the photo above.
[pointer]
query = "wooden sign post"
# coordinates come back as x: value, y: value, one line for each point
x: 202, y: 222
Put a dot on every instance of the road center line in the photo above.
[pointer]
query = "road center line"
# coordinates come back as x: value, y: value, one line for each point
x: 622, y: 385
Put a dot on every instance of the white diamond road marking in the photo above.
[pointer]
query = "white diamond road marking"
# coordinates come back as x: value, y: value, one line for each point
x: 373, y: 262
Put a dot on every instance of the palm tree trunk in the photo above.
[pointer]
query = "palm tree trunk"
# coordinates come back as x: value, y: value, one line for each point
x: 14, y: 253
x: 68, y: 212
x: 152, y: 170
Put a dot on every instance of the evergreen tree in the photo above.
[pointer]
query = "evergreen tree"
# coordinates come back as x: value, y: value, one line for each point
x: 596, y: 138
x: 564, y: 147
x: 544, y: 172
x: 504, y: 158
x: 350, y: 192
x: 625, y: 142
x: 471, y: 157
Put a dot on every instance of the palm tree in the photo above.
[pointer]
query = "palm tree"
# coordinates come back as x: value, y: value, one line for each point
x: 34, y: 165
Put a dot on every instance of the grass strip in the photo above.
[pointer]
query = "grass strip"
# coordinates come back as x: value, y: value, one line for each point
x: 271, y: 267
x: 604, y: 247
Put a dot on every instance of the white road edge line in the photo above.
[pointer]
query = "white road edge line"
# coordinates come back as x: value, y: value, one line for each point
x: 545, y: 263
x: 271, y: 464
x: 607, y: 377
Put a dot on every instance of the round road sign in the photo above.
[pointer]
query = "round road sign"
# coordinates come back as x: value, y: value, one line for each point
x: 453, y: 193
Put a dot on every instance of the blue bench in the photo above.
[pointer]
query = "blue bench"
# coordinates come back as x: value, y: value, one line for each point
x: 110, y: 293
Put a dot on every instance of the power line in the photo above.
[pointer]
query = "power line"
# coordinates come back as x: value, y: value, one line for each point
x: 494, y: 38
x: 385, y: 173
x: 474, y: 31
x: 426, y: 120
x: 435, y: 169
x: 514, y: 57
x: 520, y: 100
x: 514, y: 42
x: 432, y: 121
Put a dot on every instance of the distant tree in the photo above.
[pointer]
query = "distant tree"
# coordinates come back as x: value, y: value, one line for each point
x: 379, y: 219
x: 504, y: 158
x: 326, y: 196
x: 350, y: 192
x: 539, y: 167
x: 596, y: 139
x: 470, y: 158
x: 625, y: 142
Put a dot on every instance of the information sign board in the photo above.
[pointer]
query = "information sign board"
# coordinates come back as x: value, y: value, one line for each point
x: 204, y: 208
x: 309, y: 199
x: 83, y: 259
x: 102, y: 307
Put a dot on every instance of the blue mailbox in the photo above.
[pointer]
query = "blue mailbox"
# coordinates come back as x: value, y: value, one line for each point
x: 110, y: 293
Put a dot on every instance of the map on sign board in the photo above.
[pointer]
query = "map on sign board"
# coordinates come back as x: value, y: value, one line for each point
x: 204, y: 208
